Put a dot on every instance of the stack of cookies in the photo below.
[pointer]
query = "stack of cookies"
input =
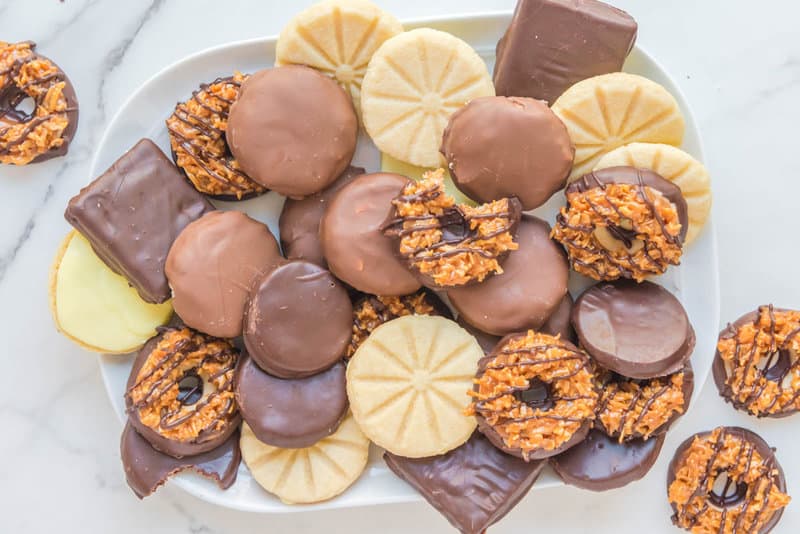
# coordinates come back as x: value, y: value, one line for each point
x: 422, y: 307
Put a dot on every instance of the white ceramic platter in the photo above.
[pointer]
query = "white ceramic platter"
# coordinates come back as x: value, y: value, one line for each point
x: 143, y: 115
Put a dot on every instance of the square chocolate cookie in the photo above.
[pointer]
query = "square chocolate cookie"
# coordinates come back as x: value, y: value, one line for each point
x: 553, y: 44
x: 133, y: 212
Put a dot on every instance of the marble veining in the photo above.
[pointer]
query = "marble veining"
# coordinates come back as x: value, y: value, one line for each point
x: 740, y: 71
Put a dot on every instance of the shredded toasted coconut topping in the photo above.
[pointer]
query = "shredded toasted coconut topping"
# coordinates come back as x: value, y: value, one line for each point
x: 452, y: 244
x: 619, y: 231
x: 24, y: 74
x: 197, y: 411
x: 725, y: 452
x: 639, y: 408
x: 514, y: 367
x: 762, y: 363
x: 197, y: 137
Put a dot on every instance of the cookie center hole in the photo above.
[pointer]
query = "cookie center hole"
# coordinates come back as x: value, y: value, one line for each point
x: 17, y: 107
x: 538, y: 395
x: 775, y: 365
x: 619, y: 237
x: 454, y: 227
x: 726, y: 492
x: 190, y: 389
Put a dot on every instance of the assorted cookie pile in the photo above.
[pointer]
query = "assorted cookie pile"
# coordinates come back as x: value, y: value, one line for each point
x: 294, y: 354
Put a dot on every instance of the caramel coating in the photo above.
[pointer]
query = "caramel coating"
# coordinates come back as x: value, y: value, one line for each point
x: 451, y: 245
x: 639, y: 408
x: 156, y: 394
x: 372, y: 311
x: 515, y: 363
x: 708, y: 456
x: 619, y: 230
x: 24, y: 139
x: 757, y: 380
x: 197, y: 137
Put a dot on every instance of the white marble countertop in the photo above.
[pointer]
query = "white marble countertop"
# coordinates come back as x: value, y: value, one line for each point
x: 739, y: 68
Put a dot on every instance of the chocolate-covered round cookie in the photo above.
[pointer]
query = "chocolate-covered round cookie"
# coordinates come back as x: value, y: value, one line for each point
x: 525, y: 150
x: 601, y: 463
x: 297, y: 320
x: 292, y: 130
x: 630, y: 409
x: 179, y: 395
x: 639, y: 330
x: 623, y: 222
x: 756, y: 364
x: 352, y: 237
x: 299, y: 221
x: 726, y: 480
x: 212, y: 265
x: 532, y: 286
x: 535, y: 395
x: 294, y: 413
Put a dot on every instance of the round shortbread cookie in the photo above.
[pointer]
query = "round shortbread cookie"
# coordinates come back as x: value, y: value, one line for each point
x: 337, y: 37
x: 674, y: 165
x: 394, y: 165
x: 408, y: 383
x: 97, y: 308
x: 413, y: 84
x: 609, y: 111
x: 312, y: 474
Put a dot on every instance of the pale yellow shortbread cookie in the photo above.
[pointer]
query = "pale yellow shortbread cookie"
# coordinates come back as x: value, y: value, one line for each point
x: 676, y: 166
x: 395, y: 166
x: 97, y: 308
x: 312, y: 474
x: 609, y: 111
x: 413, y: 84
x: 408, y: 382
x: 337, y: 37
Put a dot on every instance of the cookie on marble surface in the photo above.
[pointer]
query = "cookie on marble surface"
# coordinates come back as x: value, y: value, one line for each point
x: 413, y: 84
x: 94, y: 306
x: 408, y: 383
x: 672, y: 164
x: 312, y: 474
x: 612, y: 110
x: 337, y: 37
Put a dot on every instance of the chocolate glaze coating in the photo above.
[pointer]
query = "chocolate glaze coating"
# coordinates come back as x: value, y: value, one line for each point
x: 298, y: 320
x: 299, y: 221
x: 532, y: 286
x: 473, y: 486
x: 525, y: 150
x: 553, y: 44
x: 720, y: 373
x: 291, y: 413
x: 634, y: 176
x: 173, y: 448
x: 601, y: 463
x: 639, y: 330
x: 212, y: 265
x: 293, y: 130
x: 353, y: 241
x: 130, y: 227
x: 756, y: 441
x: 146, y: 469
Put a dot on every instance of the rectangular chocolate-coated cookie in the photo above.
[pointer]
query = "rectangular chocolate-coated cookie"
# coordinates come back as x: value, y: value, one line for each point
x: 132, y: 213
x: 553, y: 44
x: 473, y: 486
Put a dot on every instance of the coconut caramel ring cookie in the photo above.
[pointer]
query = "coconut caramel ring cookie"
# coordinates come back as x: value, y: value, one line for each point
x: 197, y: 137
x: 630, y: 408
x: 622, y: 222
x: 535, y: 395
x: 45, y: 132
x: 371, y: 311
x: 726, y: 480
x: 451, y: 245
x: 180, y: 394
x: 757, y: 364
